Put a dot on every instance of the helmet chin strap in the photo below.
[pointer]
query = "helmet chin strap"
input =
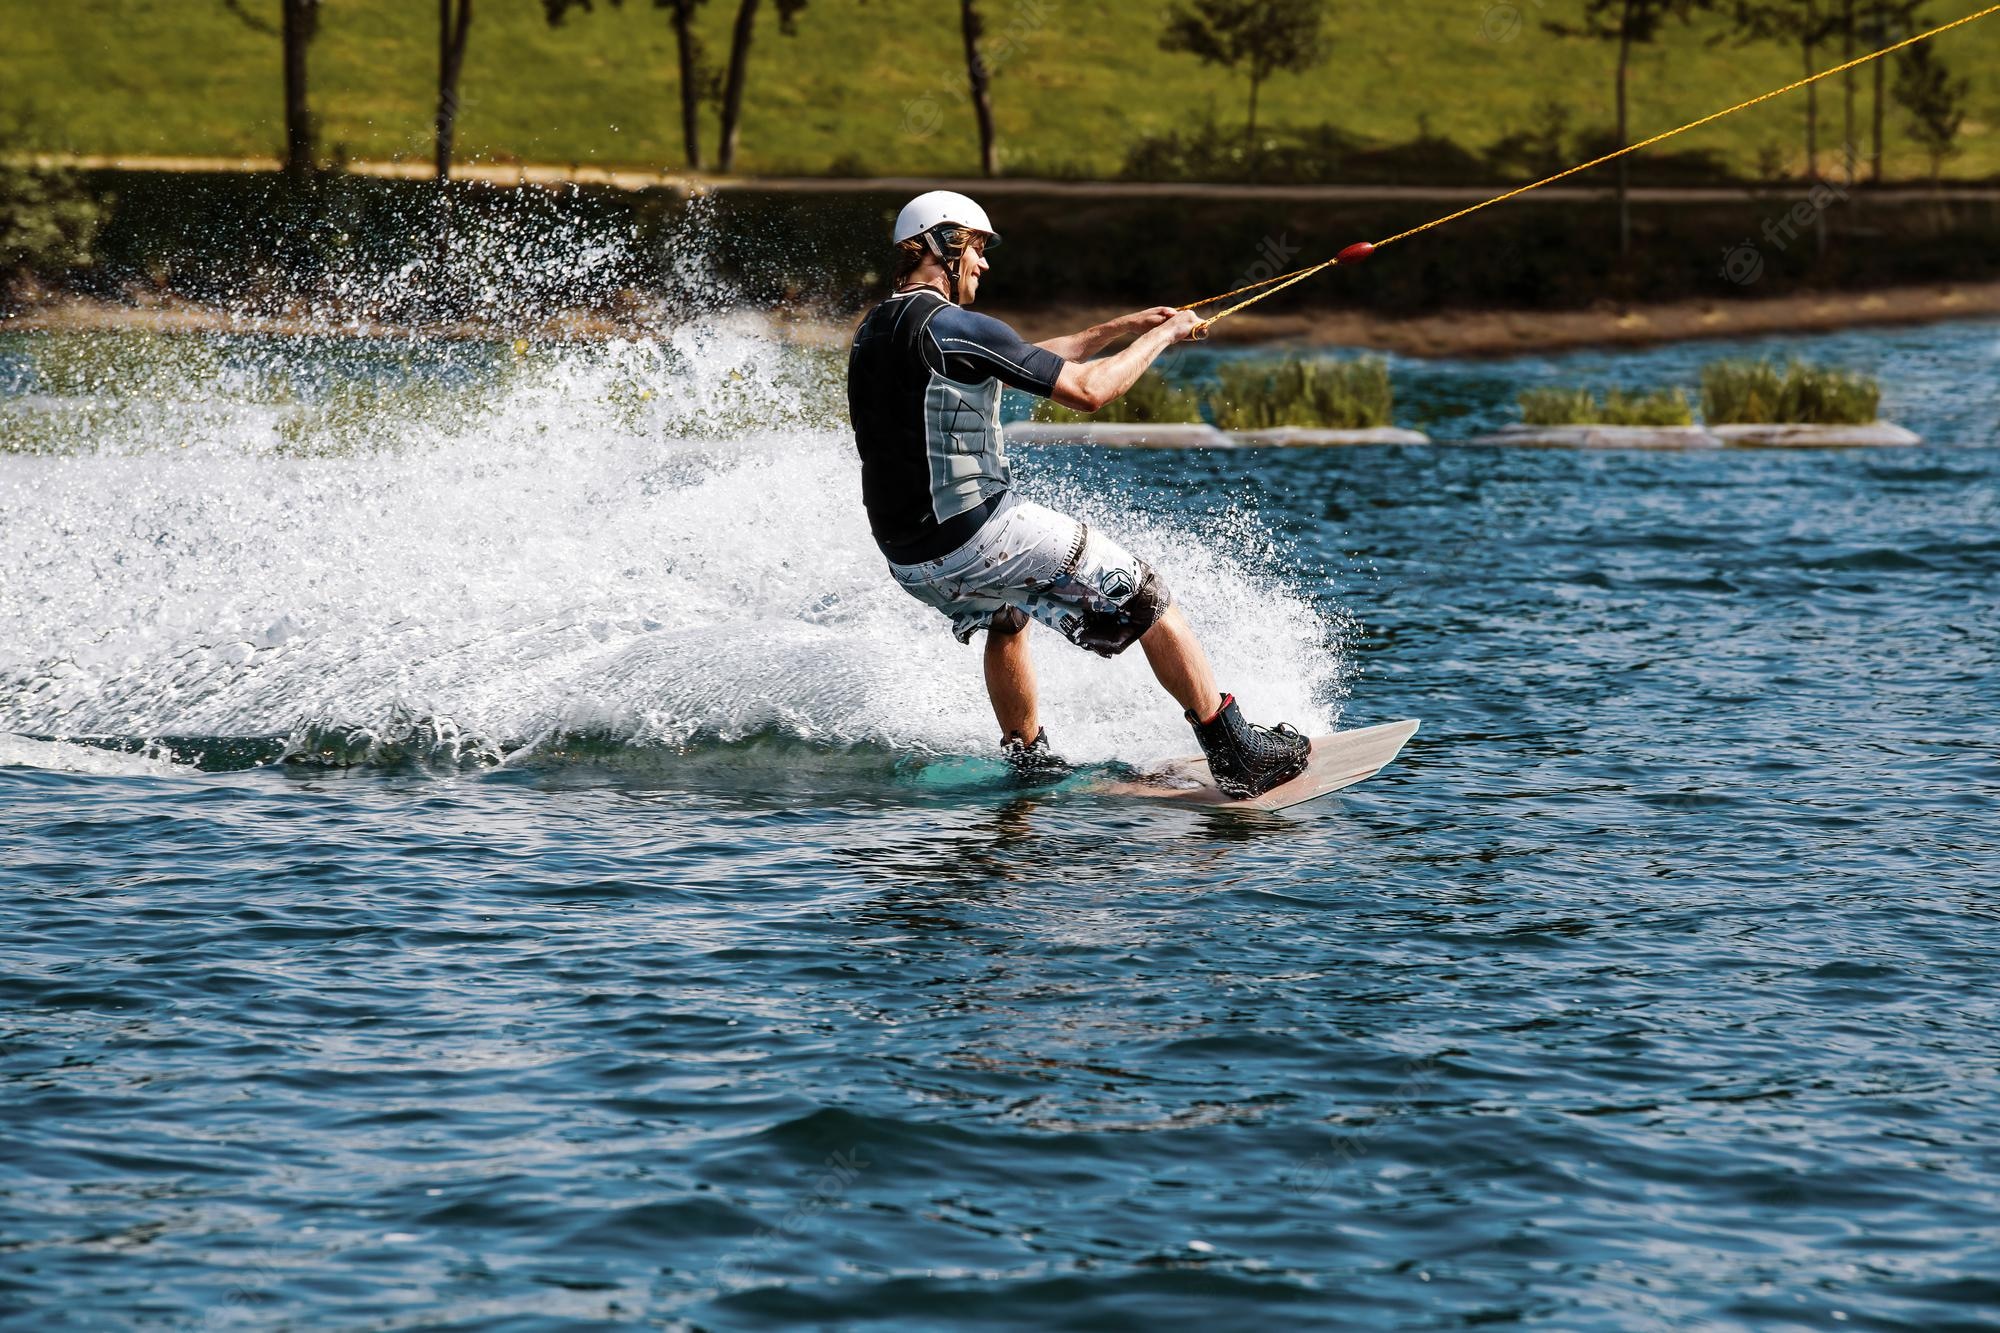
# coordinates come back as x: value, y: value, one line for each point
x: 952, y: 260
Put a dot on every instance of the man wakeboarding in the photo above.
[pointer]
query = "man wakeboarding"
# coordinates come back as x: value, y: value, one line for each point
x: 923, y: 391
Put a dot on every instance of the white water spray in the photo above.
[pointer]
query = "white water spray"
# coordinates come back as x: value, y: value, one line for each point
x: 658, y: 543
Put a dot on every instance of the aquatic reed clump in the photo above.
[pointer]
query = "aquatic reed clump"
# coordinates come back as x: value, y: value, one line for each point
x: 1582, y: 407
x: 1760, y: 392
x: 1304, y: 392
x: 1151, y: 401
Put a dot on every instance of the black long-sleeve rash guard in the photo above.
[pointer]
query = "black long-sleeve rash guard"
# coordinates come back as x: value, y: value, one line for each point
x: 923, y: 392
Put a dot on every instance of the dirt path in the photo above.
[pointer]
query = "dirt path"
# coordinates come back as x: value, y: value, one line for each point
x: 1460, y: 333
x: 1511, y: 332
x: 627, y: 178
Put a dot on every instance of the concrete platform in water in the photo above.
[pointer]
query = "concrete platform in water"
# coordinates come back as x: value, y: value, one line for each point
x: 1119, y: 434
x: 1194, y: 435
x: 1318, y: 437
x: 1875, y: 434
x: 1794, y: 435
x: 1190, y: 435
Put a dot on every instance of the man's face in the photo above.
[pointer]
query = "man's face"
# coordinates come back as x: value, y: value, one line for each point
x: 971, y: 268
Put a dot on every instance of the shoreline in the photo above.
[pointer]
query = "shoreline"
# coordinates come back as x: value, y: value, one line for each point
x: 1465, y: 333
x: 632, y: 177
x: 1503, y: 333
x: 513, y: 175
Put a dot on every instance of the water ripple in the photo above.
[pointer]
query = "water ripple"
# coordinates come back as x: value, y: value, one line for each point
x: 1650, y: 989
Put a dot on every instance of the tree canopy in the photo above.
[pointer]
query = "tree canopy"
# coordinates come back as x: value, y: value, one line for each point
x: 1259, y: 37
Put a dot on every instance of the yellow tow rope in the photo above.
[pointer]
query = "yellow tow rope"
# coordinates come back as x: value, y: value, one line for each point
x: 1359, y: 251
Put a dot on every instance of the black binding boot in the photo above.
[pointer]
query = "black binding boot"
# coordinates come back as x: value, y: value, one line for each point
x: 1249, y: 760
x: 1033, y: 761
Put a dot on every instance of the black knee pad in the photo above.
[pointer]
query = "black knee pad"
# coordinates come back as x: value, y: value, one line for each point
x: 1109, y: 633
x: 1007, y: 620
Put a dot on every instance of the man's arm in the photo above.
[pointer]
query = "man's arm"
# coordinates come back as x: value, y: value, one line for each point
x: 1083, y: 346
x: 1085, y: 386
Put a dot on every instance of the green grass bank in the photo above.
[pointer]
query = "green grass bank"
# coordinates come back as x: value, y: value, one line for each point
x: 879, y: 89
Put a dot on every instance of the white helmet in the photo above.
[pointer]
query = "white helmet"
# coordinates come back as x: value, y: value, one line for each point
x: 942, y: 208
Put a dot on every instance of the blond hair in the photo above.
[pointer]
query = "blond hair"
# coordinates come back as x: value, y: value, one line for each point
x: 910, y: 254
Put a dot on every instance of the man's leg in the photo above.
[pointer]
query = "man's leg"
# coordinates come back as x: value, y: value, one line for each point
x: 1178, y: 660
x: 1010, y: 681
x: 1245, y: 760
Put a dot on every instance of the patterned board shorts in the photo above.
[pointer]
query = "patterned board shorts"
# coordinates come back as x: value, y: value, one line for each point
x: 1031, y: 561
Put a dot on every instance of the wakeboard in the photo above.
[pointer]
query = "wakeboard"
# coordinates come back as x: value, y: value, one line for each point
x: 1339, y: 760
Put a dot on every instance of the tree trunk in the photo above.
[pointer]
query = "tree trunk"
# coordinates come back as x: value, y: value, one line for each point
x: 1812, y: 143
x: 732, y: 88
x: 451, y: 62
x: 1812, y: 115
x: 982, y: 92
x: 301, y: 152
x: 1250, y: 128
x: 1624, y: 178
x: 1875, y: 167
x: 684, y: 39
x: 1847, y: 152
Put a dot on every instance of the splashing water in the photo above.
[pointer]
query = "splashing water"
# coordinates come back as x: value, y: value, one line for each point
x: 476, y: 553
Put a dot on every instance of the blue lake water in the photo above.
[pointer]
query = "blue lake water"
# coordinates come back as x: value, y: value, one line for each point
x: 643, y: 935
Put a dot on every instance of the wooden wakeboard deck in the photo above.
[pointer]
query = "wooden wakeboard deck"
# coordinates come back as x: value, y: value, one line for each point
x: 1339, y: 760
